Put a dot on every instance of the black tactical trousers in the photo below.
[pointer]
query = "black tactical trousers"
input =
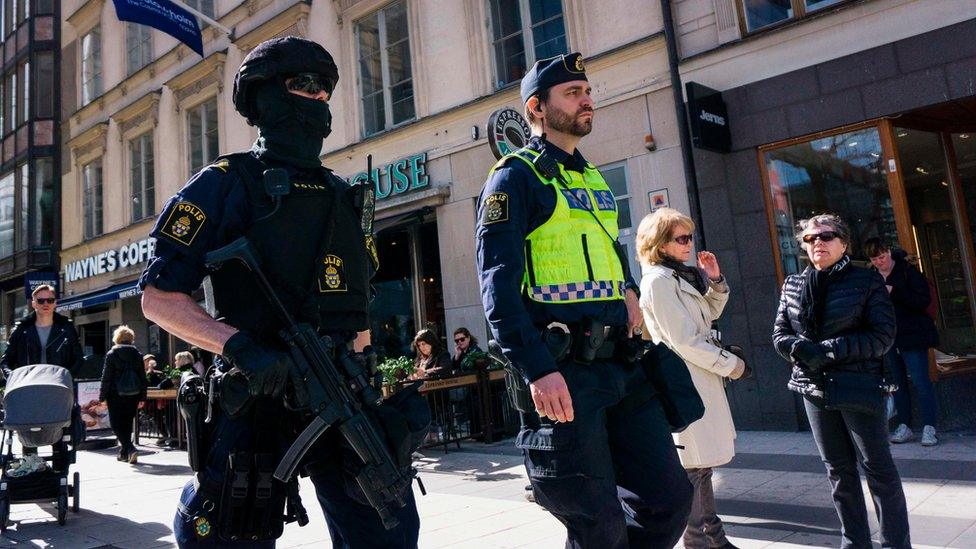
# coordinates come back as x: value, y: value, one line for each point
x: 612, y: 475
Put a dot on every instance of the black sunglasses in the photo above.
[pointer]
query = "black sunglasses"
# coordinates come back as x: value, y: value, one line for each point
x: 309, y: 82
x: 45, y: 300
x: 684, y: 239
x: 825, y: 236
x: 459, y: 339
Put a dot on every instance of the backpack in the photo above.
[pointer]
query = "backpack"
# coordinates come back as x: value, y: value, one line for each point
x: 128, y: 383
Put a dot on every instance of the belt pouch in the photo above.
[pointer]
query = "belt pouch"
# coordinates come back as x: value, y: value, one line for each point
x: 267, y: 512
x: 588, y: 339
x: 233, y: 509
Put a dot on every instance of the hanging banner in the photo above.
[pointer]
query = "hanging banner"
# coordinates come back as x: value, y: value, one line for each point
x: 165, y: 16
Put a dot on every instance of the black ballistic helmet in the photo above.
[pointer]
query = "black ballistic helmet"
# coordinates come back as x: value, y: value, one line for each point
x: 280, y: 57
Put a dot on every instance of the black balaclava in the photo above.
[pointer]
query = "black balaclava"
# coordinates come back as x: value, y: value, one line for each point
x: 290, y: 127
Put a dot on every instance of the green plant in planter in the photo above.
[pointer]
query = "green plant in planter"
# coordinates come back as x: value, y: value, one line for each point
x: 396, y: 369
x: 171, y: 372
x: 470, y: 360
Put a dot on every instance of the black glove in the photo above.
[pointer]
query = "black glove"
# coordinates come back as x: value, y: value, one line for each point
x: 808, y: 354
x: 267, y: 370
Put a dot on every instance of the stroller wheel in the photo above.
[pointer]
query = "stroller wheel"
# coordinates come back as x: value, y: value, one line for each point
x: 62, y: 507
x: 75, y: 492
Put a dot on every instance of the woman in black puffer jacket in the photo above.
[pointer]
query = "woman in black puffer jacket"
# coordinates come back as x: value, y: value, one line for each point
x: 837, y: 317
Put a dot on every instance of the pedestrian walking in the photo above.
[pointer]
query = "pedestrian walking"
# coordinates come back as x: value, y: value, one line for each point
x: 908, y: 358
x: 679, y: 303
x: 835, y: 322
x: 124, y: 384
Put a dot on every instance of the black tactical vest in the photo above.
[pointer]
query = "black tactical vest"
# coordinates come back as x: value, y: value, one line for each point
x: 312, y: 250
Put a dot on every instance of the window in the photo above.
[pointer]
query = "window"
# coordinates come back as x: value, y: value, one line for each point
x: 23, y: 238
x: 138, y: 47
x: 91, y: 198
x: 385, y: 72
x: 759, y: 14
x: 141, y: 177
x: 9, y: 16
x: 10, y: 102
x: 44, y: 85
x: 841, y: 174
x: 524, y: 31
x: 23, y: 10
x: 205, y: 7
x: 23, y: 75
x: 7, y: 207
x: 43, y: 210
x: 201, y: 124
x: 616, y: 177
x: 91, y: 66
x: 43, y: 7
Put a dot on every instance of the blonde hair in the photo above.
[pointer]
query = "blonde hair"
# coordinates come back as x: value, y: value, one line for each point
x: 655, y: 231
x: 183, y: 355
x: 123, y: 335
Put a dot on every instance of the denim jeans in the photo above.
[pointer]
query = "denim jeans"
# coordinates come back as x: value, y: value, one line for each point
x: 913, y: 364
x: 612, y: 475
x: 838, y: 434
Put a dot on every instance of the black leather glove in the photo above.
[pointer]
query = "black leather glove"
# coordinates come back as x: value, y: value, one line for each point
x: 267, y: 370
x: 808, y: 354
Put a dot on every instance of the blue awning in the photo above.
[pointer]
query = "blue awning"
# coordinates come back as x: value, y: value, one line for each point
x: 112, y: 293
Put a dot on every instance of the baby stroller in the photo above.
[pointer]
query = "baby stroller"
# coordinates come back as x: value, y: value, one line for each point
x: 38, y: 405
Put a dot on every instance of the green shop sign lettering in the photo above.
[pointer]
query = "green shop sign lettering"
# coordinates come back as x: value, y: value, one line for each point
x: 400, y: 177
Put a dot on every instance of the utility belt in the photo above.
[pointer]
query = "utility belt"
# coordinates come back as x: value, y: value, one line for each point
x: 590, y: 340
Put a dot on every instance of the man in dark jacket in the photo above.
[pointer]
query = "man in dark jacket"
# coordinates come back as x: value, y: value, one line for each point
x: 43, y: 337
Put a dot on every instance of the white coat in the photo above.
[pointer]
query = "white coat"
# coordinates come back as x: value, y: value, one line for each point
x: 678, y: 315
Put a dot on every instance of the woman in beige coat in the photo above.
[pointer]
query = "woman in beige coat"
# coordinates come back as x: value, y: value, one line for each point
x: 679, y: 303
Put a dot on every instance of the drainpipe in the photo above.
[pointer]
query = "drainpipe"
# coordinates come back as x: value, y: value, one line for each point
x: 687, y: 154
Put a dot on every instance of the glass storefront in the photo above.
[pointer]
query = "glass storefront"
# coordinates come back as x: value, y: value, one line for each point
x: 912, y: 185
x: 408, y: 288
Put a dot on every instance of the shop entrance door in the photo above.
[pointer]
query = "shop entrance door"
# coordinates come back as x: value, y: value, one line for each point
x: 935, y: 184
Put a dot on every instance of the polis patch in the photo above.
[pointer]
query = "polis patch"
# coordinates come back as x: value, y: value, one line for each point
x: 184, y: 222
x: 333, y: 277
x: 496, y: 209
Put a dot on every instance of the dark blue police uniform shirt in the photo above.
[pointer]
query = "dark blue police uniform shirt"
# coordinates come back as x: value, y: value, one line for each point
x: 516, y: 322
x: 215, y: 205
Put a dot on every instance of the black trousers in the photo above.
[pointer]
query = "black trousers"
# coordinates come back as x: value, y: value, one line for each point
x: 838, y: 434
x: 121, y: 412
x: 612, y: 475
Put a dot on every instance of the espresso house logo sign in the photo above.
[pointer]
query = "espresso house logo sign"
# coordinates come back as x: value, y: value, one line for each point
x: 507, y: 132
x: 400, y: 177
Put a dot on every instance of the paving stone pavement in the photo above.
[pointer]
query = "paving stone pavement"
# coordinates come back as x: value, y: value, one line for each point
x: 775, y: 494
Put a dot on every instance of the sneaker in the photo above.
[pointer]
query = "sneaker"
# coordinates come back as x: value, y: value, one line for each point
x: 902, y: 434
x: 123, y: 455
x: 928, y: 436
x: 133, y: 456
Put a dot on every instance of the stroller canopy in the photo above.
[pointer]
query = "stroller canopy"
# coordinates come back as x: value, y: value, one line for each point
x: 41, y: 395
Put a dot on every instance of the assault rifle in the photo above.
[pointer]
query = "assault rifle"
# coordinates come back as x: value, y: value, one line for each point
x: 338, y: 396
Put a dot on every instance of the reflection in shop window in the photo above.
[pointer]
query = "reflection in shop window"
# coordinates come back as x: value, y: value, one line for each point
x: 524, y: 31
x: 7, y: 206
x: 840, y: 174
x: 391, y: 313
x: 43, y: 210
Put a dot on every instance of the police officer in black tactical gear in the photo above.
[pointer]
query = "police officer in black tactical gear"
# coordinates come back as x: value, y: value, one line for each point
x: 562, y: 307
x: 305, y: 224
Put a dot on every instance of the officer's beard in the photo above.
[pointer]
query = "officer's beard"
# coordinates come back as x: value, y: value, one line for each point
x: 563, y: 122
x: 290, y: 127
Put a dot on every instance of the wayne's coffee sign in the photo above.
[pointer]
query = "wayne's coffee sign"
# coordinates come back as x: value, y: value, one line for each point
x: 708, y: 118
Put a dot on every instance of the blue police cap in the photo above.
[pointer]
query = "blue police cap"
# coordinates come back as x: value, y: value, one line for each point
x: 547, y: 73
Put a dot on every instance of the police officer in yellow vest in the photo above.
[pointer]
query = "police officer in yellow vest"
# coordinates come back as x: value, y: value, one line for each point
x: 562, y: 306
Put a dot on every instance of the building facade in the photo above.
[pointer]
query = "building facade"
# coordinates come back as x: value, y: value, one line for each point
x: 863, y: 108
x: 29, y: 130
x: 418, y: 81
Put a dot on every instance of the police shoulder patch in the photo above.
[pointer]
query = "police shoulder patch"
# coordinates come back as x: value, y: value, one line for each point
x: 333, y: 277
x: 496, y: 209
x: 184, y: 222
x: 223, y: 165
